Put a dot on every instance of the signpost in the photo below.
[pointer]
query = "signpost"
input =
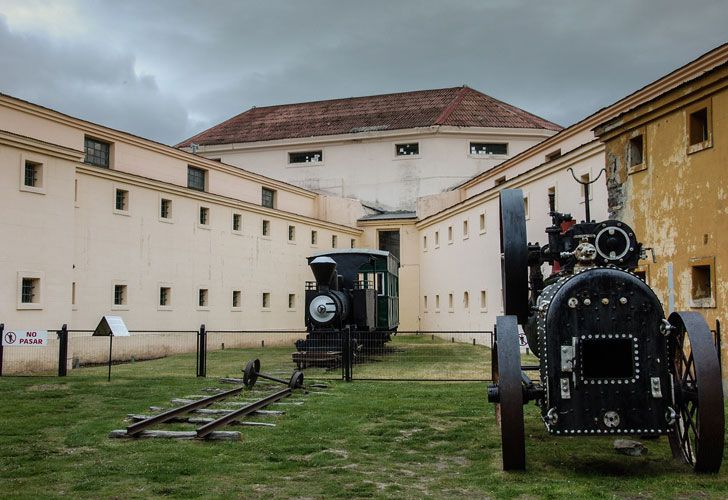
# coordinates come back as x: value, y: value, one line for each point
x: 111, y: 326
x: 26, y: 338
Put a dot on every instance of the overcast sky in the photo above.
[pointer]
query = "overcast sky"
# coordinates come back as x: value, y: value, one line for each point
x: 168, y: 69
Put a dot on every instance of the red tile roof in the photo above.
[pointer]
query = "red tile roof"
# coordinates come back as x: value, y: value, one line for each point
x: 456, y: 106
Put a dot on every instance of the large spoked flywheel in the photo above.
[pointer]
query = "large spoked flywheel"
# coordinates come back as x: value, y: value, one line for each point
x: 509, y: 409
x: 698, y: 435
x: 514, y: 254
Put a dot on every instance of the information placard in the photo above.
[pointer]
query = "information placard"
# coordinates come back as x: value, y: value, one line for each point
x: 111, y: 325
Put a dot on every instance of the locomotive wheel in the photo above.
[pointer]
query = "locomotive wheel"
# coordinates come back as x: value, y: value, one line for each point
x: 514, y: 254
x: 250, y: 373
x: 698, y: 435
x: 510, y: 408
x: 296, y: 380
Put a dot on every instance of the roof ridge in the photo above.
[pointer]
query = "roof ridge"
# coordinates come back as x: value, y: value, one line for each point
x: 451, y: 107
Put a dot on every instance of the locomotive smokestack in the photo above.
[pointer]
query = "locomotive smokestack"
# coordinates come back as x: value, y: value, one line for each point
x: 324, y: 270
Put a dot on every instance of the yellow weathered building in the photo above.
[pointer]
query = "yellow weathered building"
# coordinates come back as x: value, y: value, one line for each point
x: 667, y: 166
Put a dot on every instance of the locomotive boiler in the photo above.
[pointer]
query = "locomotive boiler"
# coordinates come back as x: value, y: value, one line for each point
x: 355, y: 291
x: 610, y: 363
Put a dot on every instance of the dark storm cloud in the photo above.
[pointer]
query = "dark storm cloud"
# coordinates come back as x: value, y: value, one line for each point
x: 208, y: 61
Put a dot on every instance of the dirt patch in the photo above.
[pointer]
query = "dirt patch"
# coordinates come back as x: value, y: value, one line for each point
x: 47, y: 387
x: 76, y: 451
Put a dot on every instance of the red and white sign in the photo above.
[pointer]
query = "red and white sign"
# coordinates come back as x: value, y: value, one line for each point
x: 32, y: 338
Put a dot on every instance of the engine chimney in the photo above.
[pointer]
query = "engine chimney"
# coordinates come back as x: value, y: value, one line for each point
x: 324, y: 270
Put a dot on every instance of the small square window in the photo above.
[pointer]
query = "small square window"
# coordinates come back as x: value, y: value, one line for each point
x: 306, y: 157
x: 352, y: 243
x: 120, y: 295
x: 437, y: 302
x: 165, y: 296
x: 483, y: 300
x: 698, y: 125
x: 291, y: 301
x: 165, y: 208
x: 314, y: 237
x: 236, y: 298
x: 449, y: 302
x: 437, y: 239
x: 499, y: 181
x: 334, y: 240
x: 702, y: 292
x: 488, y: 148
x: 465, y: 229
x: 266, y: 227
x: 636, y: 151
x: 203, y: 297
x: 196, y: 178
x: 237, y: 222
x: 268, y: 198
x: 409, y: 149
x: 96, y: 152
x: 266, y: 300
x: 553, y: 155
x: 121, y: 200
x: 481, y: 221
x: 30, y: 291
x: 291, y: 233
x: 449, y: 234
x: 424, y: 301
x: 33, y: 174
x: 204, y: 216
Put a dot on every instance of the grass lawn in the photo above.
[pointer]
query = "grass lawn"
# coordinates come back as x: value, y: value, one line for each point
x: 365, y: 438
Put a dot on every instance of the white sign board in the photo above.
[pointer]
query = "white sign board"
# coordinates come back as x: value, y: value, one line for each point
x: 35, y: 338
x: 111, y: 325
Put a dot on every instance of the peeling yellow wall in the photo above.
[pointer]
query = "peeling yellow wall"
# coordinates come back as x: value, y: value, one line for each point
x: 677, y: 200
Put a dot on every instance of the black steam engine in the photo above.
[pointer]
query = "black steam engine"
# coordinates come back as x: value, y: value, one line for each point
x: 355, y: 296
x: 609, y: 361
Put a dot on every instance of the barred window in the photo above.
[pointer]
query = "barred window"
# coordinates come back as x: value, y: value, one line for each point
x: 165, y: 209
x: 32, y: 177
x: 236, y: 298
x: 122, y: 200
x: 196, y: 178
x: 202, y: 297
x: 488, y: 148
x: 268, y: 198
x: 237, y: 222
x: 204, y: 216
x: 29, y: 290
x: 165, y: 293
x: 120, y: 295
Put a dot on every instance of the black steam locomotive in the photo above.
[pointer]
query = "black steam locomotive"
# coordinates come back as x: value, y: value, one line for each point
x: 355, y: 290
x: 609, y: 361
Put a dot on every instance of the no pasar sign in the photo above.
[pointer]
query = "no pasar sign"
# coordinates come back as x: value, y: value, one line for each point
x: 38, y: 338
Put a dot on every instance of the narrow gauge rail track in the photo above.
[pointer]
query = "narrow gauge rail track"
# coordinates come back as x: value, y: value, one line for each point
x: 140, y: 429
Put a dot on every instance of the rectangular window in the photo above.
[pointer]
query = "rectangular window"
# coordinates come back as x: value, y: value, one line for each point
x: 488, y: 148
x: 389, y: 241
x: 291, y: 233
x: 202, y: 297
x: 465, y: 228
x: 266, y: 300
x: 410, y: 149
x: 425, y: 302
x: 481, y: 219
x: 75, y: 190
x: 266, y: 227
x: 636, y: 150
x: 424, y: 242
x: 291, y: 301
x: 525, y: 206
x: 122, y: 200
x: 698, y: 124
x: 314, y: 237
x: 352, y: 243
x: 165, y: 208
x: 204, y: 216
x: 268, y: 198
x: 449, y: 301
x: 552, y: 199
x: 96, y: 152
x: 483, y: 300
x: 449, y: 234
x: 165, y: 295
x: 33, y: 174
x: 73, y: 293
x: 120, y: 297
x: 334, y: 241
x: 237, y: 222
x: 466, y: 300
x: 701, y: 282
x: 437, y: 302
x: 196, y: 178
x: 30, y: 291
x: 437, y: 239
x: 499, y: 181
x: 236, y: 298
x: 306, y: 157
x: 553, y: 155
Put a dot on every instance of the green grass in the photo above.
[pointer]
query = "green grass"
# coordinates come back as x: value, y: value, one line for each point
x: 359, y: 439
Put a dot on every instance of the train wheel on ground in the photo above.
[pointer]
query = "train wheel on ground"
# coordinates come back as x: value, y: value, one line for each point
x: 296, y: 380
x: 250, y: 373
x: 510, y: 394
x: 514, y: 254
x: 698, y: 435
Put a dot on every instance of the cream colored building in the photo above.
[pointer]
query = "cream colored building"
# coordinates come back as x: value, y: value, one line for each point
x: 385, y: 150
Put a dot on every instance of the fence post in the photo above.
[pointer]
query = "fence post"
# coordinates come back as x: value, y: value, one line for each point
x: 2, y: 329
x: 347, y: 355
x: 202, y: 352
x: 62, y: 350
